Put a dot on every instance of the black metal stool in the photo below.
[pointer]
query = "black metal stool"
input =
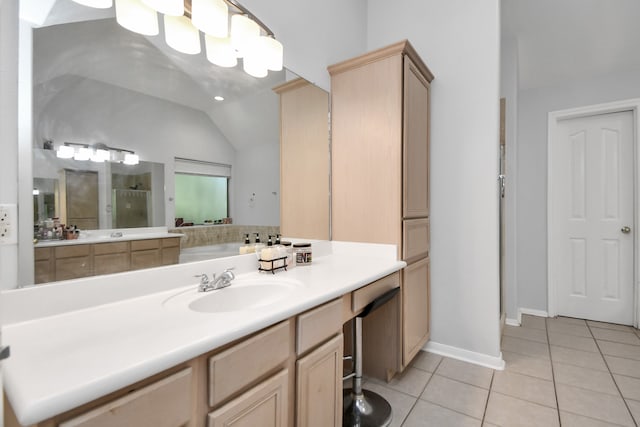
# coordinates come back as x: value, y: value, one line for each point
x: 364, y: 408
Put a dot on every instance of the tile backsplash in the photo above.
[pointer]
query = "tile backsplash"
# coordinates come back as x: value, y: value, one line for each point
x: 205, y: 235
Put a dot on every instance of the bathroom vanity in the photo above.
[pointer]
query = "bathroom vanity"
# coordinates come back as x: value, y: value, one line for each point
x: 154, y: 351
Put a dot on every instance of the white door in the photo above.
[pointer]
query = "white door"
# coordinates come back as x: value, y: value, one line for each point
x: 591, y: 217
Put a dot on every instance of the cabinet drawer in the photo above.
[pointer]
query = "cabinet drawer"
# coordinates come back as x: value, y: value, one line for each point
x: 264, y: 405
x: 363, y: 296
x: 41, y: 254
x: 239, y: 366
x: 141, y: 245
x: 415, y: 239
x: 171, y: 242
x: 317, y: 325
x: 110, y: 248
x: 166, y: 403
x: 72, y: 251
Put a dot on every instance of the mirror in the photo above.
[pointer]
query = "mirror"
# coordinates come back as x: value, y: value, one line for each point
x: 95, y: 82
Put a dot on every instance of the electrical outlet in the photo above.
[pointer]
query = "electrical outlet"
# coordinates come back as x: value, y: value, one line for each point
x: 8, y: 224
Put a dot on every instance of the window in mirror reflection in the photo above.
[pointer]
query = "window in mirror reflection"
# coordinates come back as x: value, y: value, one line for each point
x: 201, y: 199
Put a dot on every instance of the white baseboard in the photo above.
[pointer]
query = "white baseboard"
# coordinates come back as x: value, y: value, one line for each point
x: 512, y: 322
x: 532, y: 312
x: 466, y: 355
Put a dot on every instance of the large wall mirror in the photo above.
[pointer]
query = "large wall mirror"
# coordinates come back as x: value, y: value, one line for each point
x: 98, y: 84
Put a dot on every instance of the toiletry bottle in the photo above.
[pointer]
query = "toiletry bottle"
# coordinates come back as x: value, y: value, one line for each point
x: 266, y: 255
x: 247, y: 245
x: 258, y: 246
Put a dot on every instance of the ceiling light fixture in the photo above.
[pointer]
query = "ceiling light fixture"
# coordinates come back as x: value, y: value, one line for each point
x: 226, y: 39
x: 218, y: 98
x: 97, y: 153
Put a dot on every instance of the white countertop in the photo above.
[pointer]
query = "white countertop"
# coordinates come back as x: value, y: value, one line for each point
x: 86, y: 238
x: 64, y: 360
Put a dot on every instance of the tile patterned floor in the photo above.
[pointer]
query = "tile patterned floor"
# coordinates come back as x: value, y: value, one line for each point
x: 560, y: 372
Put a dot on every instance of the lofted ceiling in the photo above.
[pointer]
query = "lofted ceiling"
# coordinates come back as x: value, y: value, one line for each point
x: 563, y: 40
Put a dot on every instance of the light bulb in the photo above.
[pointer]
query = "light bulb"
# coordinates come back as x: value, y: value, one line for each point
x: 131, y: 159
x: 65, y: 152
x: 167, y: 7
x: 273, y: 52
x: 83, y: 153
x: 211, y: 17
x: 220, y: 52
x: 137, y: 17
x: 98, y: 4
x: 244, y: 31
x: 181, y: 35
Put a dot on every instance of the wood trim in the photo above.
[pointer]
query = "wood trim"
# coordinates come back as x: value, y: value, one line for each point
x: 290, y: 85
x: 395, y: 49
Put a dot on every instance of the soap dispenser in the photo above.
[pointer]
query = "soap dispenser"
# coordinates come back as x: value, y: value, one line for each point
x: 258, y: 246
x: 247, y: 248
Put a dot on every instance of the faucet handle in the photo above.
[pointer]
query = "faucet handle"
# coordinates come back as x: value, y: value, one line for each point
x: 228, y: 270
x: 204, y: 279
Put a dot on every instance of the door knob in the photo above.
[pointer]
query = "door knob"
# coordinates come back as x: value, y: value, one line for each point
x: 626, y: 229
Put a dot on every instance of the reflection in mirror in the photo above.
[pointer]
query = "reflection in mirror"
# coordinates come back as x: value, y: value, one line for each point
x: 95, y: 82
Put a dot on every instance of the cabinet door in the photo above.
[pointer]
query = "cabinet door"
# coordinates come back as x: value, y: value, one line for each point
x: 415, y: 174
x: 319, y: 386
x: 111, y: 263
x: 146, y: 259
x: 264, y: 405
x: 415, y: 308
x: 74, y: 267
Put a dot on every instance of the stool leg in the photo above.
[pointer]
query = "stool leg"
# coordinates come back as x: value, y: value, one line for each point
x: 363, y: 408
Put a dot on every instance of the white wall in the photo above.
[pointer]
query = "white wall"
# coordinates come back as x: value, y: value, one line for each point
x: 257, y: 171
x: 509, y: 91
x: 533, y: 106
x: 460, y: 42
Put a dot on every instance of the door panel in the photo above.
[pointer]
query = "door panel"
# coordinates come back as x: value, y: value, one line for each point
x: 591, y: 197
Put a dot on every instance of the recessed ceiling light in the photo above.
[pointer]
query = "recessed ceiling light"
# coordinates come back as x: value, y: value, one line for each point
x: 218, y: 98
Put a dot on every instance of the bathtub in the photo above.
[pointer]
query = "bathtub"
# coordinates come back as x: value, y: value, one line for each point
x: 201, y: 253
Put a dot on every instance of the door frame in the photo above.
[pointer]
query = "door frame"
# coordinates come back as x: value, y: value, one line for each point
x: 554, y: 117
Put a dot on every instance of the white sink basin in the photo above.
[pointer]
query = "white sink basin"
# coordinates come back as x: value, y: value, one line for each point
x: 243, y: 294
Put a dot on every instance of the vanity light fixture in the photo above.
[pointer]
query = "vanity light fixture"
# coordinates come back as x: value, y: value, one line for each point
x: 98, y: 4
x: 218, y: 98
x: 36, y: 192
x: 137, y: 17
x: 226, y: 39
x: 97, y: 153
x: 181, y: 35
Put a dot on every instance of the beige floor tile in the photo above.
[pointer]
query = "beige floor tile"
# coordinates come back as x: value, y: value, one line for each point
x: 524, y: 387
x: 620, y: 350
x: 426, y: 361
x: 538, y: 335
x: 508, y: 411
x: 586, y: 378
x: 460, y: 397
x: 616, y: 336
x: 574, y: 342
x: 465, y: 372
x: 400, y: 403
x: 572, y: 420
x: 425, y: 414
x: 629, y: 386
x: 584, y: 359
x: 569, y: 329
x: 613, y: 326
x: 534, y: 322
x: 526, y: 347
x: 619, y: 365
x: 565, y: 320
x: 592, y: 404
x: 412, y: 381
x: 532, y: 366
x: 634, y: 407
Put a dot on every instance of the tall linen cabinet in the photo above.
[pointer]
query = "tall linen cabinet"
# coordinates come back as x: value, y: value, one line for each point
x: 380, y: 170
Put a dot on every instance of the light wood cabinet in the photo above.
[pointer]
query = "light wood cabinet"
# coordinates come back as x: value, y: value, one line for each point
x: 304, y: 160
x: 81, y: 260
x: 319, y: 386
x: 380, y: 169
x: 265, y: 405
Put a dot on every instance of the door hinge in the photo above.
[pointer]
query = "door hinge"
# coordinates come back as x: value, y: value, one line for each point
x: 5, y: 352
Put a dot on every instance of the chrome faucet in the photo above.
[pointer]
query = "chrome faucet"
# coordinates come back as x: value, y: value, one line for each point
x: 219, y: 282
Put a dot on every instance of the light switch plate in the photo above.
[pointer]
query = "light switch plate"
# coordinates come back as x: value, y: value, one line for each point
x: 8, y: 224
